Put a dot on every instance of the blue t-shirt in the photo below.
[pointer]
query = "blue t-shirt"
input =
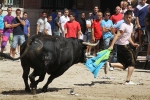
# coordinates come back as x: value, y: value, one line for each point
x: 53, y: 20
x: 106, y: 24
x: 19, y: 29
x: 141, y: 12
x: 93, y: 16
x: 76, y: 13
x: 1, y: 22
x: 26, y: 26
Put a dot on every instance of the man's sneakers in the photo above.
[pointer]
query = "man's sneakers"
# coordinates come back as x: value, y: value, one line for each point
x: 88, y: 54
x: 111, y: 68
x: 148, y: 57
x: 17, y: 53
x: 106, y: 67
x: 129, y: 83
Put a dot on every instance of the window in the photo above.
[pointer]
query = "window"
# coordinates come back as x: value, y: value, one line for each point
x: 12, y: 3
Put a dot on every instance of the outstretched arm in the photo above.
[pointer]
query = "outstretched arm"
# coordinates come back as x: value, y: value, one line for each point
x: 115, y: 39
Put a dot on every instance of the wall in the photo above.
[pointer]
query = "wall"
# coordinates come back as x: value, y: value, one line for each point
x: 36, y: 4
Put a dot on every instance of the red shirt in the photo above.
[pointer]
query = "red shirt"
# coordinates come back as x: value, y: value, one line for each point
x: 116, y: 17
x: 97, y: 29
x: 72, y: 29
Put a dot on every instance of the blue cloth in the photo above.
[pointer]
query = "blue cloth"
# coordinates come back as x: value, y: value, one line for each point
x: 106, y: 24
x: 2, y: 22
x: 118, y: 24
x: 101, y: 59
x: 53, y: 20
x: 26, y: 26
x: 19, y: 29
x: 141, y: 12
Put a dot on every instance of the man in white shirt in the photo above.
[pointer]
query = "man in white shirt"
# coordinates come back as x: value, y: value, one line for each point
x: 41, y: 23
x: 62, y: 21
x: 47, y: 27
x: 88, y: 26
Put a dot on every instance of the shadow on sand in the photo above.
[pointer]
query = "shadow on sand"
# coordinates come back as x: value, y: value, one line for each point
x: 38, y: 91
x: 94, y: 82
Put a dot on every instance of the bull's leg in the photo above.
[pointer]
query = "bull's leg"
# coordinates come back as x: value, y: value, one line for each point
x: 41, y: 78
x: 26, y: 71
x: 55, y: 75
x: 32, y: 80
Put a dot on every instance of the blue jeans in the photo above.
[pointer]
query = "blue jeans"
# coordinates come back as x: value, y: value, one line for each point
x: 107, y: 41
x: 88, y: 35
x: 17, y: 40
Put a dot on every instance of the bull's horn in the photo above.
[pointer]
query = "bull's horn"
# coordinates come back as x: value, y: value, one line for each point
x: 90, y: 44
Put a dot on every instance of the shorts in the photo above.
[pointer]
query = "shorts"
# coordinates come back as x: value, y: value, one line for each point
x: 10, y: 38
x: 142, y: 28
x: 125, y: 56
x: 17, y: 40
x: 148, y: 33
x: 88, y: 35
x: 1, y: 31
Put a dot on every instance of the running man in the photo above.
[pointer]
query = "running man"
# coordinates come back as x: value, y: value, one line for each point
x: 126, y: 57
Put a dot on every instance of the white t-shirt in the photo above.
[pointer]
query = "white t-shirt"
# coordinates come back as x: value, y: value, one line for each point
x: 48, y: 27
x: 63, y: 21
x: 41, y: 22
x: 89, y: 23
x: 127, y: 30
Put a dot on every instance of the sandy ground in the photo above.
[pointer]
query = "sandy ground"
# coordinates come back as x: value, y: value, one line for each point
x: 78, y: 77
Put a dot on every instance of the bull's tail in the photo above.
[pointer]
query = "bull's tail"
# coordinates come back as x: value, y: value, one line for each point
x: 24, y: 53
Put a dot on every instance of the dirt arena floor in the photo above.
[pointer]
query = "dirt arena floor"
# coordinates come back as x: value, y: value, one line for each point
x: 86, y: 87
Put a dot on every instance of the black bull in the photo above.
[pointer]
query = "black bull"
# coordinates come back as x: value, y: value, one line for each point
x: 48, y: 54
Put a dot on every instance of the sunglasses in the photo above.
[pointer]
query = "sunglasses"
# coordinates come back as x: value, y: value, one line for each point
x: 107, y: 15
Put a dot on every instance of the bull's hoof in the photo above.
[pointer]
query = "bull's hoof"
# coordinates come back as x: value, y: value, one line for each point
x: 33, y: 86
x: 27, y: 90
x: 44, y: 90
x: 34, y: 91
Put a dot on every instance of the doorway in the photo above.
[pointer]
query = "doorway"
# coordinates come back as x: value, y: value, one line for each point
x: 111, y: 4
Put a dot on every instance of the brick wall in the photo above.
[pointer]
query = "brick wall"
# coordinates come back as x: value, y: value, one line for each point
x: 89, y: 5
x: 35, y: 4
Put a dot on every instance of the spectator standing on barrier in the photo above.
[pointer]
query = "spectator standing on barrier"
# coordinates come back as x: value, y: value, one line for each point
x: 126, y: 57
x: 147, y: 21
x: 82, y: 22
x: 117, y: 16
x: 54, y: 15
x: 94, y: 14
x: 140, y: 13
x: 72, y: 28
x: 1, y: 25
x: 56, y: 30
x: 97, y: 32
x: 41, y: 23
x: 47, y: 27
x: 124, y: 7
x: 89, y: 34
x: 26, y: 26
x: 18, y: 31
x: 75, y: 11
x: 7, y: 33
x: 62, y: 21
x: 106, y: 25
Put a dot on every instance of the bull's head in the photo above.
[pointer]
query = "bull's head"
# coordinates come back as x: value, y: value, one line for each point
x: 84, y: 46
